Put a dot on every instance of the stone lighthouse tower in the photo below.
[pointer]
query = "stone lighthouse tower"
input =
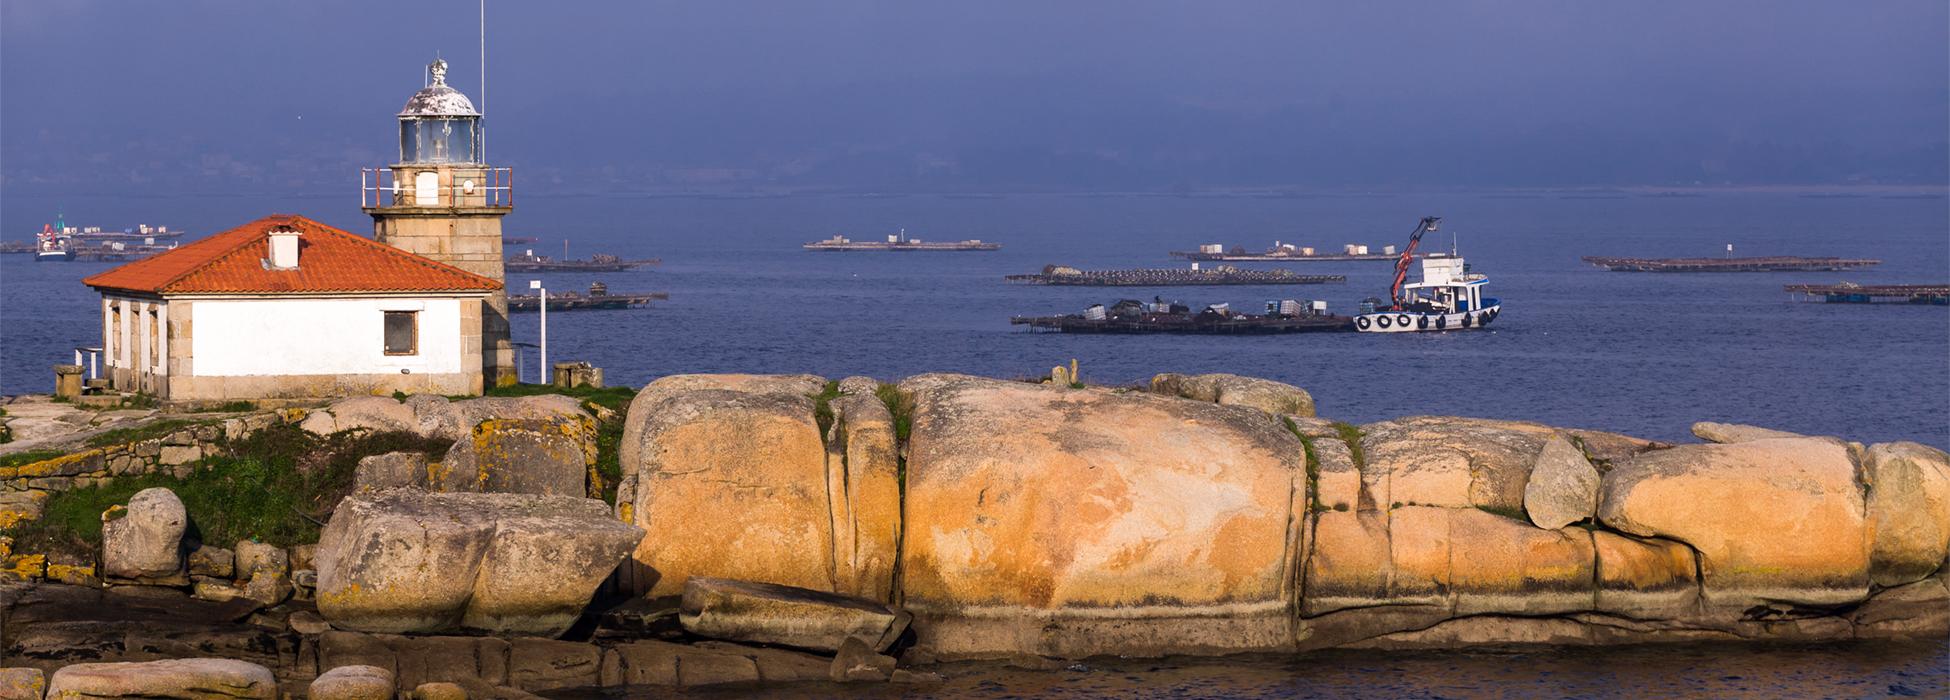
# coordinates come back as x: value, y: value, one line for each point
x: 442, y: 202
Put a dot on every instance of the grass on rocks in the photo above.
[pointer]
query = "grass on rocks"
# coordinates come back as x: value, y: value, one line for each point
x: 615, y: 398
x: 147, y: 431
x: 276, y: 486
x: 1313, y: 467
x: 1352, y: 436
x: 901, y: 404
x: 29, y: 457
x: 823, y: 407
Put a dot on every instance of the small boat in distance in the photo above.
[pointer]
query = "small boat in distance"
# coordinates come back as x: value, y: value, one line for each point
x: 53, y: 246
x: 1447, y: 297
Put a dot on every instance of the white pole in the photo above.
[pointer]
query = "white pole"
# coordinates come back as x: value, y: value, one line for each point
x: 483, y: 103
x: 537, y: 286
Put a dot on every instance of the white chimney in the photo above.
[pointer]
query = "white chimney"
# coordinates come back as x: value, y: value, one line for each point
x: 284, y: 248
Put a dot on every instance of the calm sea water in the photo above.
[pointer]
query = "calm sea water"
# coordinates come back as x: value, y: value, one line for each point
x: 1576, y: 346
x: 1725, y: 672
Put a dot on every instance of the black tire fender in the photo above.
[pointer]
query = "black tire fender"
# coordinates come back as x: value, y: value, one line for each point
x: 1383, y: 320
x: 1362, y: 322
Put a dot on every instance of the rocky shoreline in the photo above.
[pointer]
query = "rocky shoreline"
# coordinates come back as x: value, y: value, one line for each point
x: 782, y: 527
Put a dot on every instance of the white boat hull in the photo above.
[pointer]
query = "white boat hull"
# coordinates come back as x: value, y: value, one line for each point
x: 53, y: 256
x: 1410, y: 322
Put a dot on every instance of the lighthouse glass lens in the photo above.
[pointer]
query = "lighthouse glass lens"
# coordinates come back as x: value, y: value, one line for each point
x: 439, y: 141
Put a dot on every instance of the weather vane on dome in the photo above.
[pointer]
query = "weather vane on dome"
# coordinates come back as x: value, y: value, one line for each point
x: 438, y: 69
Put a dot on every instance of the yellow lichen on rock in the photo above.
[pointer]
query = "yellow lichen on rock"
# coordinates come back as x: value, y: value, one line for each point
x: 1774, y: 520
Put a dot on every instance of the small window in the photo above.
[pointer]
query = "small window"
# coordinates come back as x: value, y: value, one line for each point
x: 402, y: 332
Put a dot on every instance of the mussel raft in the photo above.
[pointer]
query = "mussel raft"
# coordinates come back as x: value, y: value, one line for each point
x: 1129, y: 316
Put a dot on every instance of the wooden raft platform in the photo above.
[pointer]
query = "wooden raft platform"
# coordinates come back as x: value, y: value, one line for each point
x: 1278, y: 257
x: 903, y: 246
x: 1781, y: 263
x: 596, y: 263
x: 576, y: 301
x: 1847, y: 293
x: 1190, y: 324
x: 1224, y: 275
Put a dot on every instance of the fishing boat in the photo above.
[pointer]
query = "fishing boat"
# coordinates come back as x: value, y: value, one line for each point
x: 1448, y: 297
x: 51, y: 245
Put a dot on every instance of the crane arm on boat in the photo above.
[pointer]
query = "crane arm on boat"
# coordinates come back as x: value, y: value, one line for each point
x: 1408, y: 254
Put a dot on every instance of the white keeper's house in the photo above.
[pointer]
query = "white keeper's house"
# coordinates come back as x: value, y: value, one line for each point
x: 286, y: 307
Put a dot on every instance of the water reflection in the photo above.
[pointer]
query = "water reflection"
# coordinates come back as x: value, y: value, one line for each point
x: 1860, y: 670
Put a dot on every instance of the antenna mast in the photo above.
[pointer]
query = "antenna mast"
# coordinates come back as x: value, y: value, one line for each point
x: 483, y: 103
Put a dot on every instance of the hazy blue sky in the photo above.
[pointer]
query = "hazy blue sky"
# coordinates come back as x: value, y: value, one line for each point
x: 204, y: 96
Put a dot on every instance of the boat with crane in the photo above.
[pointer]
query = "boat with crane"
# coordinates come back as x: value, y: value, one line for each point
x: 1447, y: 297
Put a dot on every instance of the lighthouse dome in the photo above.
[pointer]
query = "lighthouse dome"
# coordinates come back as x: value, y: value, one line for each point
x: 437, y: 99
x: 439, y: 125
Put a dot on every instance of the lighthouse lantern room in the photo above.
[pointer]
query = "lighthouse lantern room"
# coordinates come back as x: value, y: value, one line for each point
x: 439, y: 125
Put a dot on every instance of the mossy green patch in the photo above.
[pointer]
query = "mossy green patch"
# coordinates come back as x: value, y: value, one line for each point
x: 276, y: 486
x: 609, y: 466
x: 823, y: 408
x: 901, y: 404
x: 1352, y: 436
x: 1313, y: 466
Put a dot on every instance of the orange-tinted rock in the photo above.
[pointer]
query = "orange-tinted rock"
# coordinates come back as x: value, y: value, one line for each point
x: 1774, y: 521
x: 1337, y: 484
x: 1501, y: 565
x: 1072, y: 522
x: 665, y: 387
x: 1909, y: 503
x: 731, y: 485
x: 1418, y: 539
x: 1645, y: 578
x: 872, y: 498
x: 1350, y: 563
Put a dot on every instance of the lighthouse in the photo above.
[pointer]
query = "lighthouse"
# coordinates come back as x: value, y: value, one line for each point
x: 442, y: 202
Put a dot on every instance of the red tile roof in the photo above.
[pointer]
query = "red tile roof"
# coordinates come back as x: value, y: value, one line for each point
x: 329, y: 260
